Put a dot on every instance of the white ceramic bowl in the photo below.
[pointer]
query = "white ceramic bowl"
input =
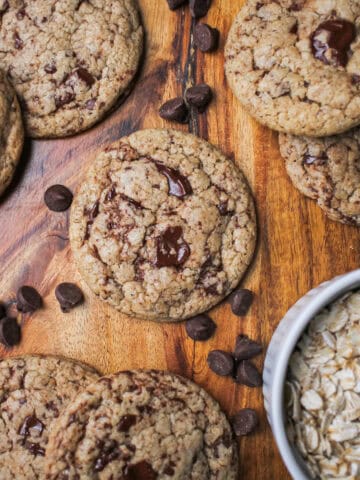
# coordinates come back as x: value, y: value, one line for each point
x: 277, y: 358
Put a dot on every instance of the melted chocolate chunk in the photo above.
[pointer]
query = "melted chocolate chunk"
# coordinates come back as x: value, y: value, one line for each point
x: 90, y: 104
x: 107, y: 455
x: 31, y: 423
x: 171, y: 248
x: 126, y: 422
x: 92, y: 214
x: 34, y: 448
x: 331, y: 41
x: 64, y: 99
x: 315, y: 160
x: 20, y: 14
x: 140, y: 471
x: 179, y: 185
x: 131, y: 201
x: 85, y: 76
x: 294, y: 29
x: 223, y: 208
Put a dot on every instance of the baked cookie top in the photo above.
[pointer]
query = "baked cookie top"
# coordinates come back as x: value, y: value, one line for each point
x: 327, y: 170
x: 164, y: 226
x: 295, y: 64
x: 33, y: 392
x: 146, y: 425
x: 11, y: 132
x: 69, y: 60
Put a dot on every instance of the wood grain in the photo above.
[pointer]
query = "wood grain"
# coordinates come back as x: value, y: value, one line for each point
x: 297, y: 249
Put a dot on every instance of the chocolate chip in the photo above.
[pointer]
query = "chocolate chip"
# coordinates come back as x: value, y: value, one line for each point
x: 179, y: 185
x: 2, y: 311
x: 199, y: 8
x: 92, y: 214
x: 69, y: 296
x: 220, y: 362
x: 10, y: 332
x: 246, y: 348
x: 140, y: 471
x: 175, y: 110
x: 200, y: 328
x: 241, y: 301
x: 31, y: 422
x: 18, y: 42
x: 206, y: 38
x: 174, y: 4
x: 355, y: 79
x: 107, y: 455
x: 126, y: 422
x: 199, y: 96
x: 85, y: 76
x: 28, y: 299
x: 64, y: 99
x: 315, y: 160
x: 35, y: 449
x: 171, y: 248
x: 50, y: 68
x: 90, y: 104
x: 331, y: 41
x: 248, y: 374
x: 244, y: 422
x: 58, y: 198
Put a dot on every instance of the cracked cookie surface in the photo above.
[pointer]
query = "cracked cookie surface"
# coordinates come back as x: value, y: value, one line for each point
x: 142, y: 425
x: 328, y: 171
x: 164, y: 225
x: 69, y: 60
x: 33, y: 392
x: 295, y: 64
x: 11, y: 132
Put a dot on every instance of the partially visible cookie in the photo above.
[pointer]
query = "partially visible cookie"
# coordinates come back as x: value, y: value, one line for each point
x: 33, y: 392
x: 146, y: 425
x: 11, y: 132
x: 69, y: 60
x: 295, y: 64
x: 327, y: 170
x: 164, y: 225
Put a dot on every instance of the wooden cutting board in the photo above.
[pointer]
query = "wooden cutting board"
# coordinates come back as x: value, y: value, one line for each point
x: 297, y: 248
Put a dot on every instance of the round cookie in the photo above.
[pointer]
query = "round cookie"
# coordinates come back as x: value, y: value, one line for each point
x: 11, y: 132
x: 142, y: 425
x: 295, y: 64
x: 327, y: 170
x: 33, y: 392
x: 164, y: 225
x: 69, y: 60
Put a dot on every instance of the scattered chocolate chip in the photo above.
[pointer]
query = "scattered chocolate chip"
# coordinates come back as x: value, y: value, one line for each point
x: 126, y: 422
x: 179, y: 185
x: 31, y: 422
x: 171, y: 248
x: 64, y: 99
x: 140, y: 471
x: 199, y: 8
x: 2, y: 311
x: 220, y: 362
x: 244, y: 422
x: 92, y: 214
x: 35, y: 449
x: 199, y: 96
x: 200, y: 328
x: 241, y: 301
x: 90, y: 104
x: 294, y: 29
x: 331, y: 41
x: 246, y: 348
x: 315, y: 160
x: 50, y: 68
x: 58, y: 198
x: 206, y: 38
x: 28, y: 299
x: 20, y: 14
x: 174, y: 4
x: 107, y: 455
x: 175, y: 110
x: 10, y: 332
x: 248, y: 374
x: 355, y: 79
x: 68, y: 295
x: 18, y: 42
x: 85, y: 76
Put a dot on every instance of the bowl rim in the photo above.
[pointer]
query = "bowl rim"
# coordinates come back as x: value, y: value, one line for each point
x: 331, y: 291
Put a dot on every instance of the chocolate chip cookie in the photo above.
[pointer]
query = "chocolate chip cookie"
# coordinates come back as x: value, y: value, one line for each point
x: 33, y: 392
x: 327, y: 170
x: 164, y: 225
x: 69, y: 60
x: 146, y: 425
x: 11, y: 132
x: 295, y: 64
